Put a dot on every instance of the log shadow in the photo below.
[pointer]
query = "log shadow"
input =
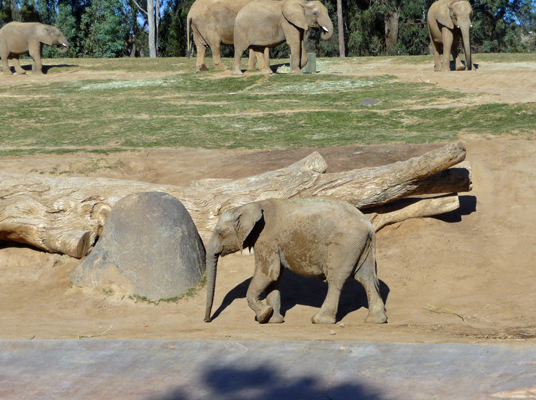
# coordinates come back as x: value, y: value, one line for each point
x: 467, y: 207
x: 299, y: 290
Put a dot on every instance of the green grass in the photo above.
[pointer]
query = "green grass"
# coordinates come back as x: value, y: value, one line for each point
x: 182, y: 108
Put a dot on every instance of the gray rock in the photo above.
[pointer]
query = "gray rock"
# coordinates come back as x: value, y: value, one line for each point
x: 149, y: 247
x: 369, y: 102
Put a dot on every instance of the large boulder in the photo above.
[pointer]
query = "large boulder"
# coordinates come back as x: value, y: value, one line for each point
x: 149, y: 247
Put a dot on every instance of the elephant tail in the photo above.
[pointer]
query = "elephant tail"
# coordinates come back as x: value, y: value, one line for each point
x: 368, y: 255
x: 188, y: 39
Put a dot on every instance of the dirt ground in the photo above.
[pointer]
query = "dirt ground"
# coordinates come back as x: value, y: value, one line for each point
x: 466, y: 277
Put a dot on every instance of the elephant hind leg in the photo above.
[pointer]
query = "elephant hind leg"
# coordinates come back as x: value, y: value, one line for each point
x: 366, y: 275
x: 328, y: 311
x: 18, y: 68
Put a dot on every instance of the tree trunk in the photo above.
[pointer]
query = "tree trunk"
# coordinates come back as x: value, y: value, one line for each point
x: 391, y: 28
x: 340, y: 28
x: 66, y: 215
x: 152, y: 28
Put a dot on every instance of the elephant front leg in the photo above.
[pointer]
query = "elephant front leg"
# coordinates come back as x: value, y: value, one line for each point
x: 455, y: 56
x: 447, y: 47
x: 258, y: 284
x: 273, y: 299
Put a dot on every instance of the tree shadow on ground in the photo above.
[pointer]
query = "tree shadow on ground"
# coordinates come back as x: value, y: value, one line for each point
x: 299, y: 290
x: 268, y: 383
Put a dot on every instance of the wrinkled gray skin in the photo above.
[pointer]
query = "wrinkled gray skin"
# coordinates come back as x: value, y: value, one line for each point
x: 316, y: 238
x: 448, y: 21
x: 18, y: 38
x: 266, y: 24
x: 212, y: 24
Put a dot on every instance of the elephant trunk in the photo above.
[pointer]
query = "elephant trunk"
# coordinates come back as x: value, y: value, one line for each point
x: 466, y: 38
x: 63, y: 47
x: 213, y: 252
x: 326, y: 26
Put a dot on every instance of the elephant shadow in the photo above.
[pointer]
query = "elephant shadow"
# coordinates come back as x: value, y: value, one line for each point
x: 45, y: 69
x: 452, y: 65
x: 299, y: 290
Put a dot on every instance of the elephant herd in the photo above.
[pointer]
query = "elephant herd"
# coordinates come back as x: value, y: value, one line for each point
x: 257, y: 25
x: 263, y: 24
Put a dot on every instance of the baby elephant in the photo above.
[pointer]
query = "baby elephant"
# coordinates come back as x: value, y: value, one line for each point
x: 317, y: 238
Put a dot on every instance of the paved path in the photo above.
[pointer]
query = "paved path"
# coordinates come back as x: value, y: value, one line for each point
x: 188, y: 370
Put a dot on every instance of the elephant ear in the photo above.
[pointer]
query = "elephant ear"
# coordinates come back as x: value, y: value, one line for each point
x: 246, y: 220
x: 43, y: 35
x: 443, y: 15
x: 294, y: 13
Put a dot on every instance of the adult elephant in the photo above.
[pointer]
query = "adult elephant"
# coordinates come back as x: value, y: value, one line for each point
x: 18, y: 38
x: 265, y: 24
x: 212, y: 24
x: 448, y: 21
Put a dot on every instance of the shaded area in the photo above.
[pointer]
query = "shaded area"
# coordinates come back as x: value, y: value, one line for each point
x: 187, y: 370
x: 45, y: 68
x: 299, y: 290
x: 267, y: 383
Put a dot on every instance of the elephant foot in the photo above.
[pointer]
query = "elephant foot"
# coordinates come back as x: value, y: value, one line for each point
x: 276, y: 319
x: 265, y: 315
x: 237, y: 73
x: 323, y: 318
x: 460, y: 67
x: 266, y: 72
x: 297, y: 71
x: 202, y: 68
x: 220, y: 67
x: 376, y: 317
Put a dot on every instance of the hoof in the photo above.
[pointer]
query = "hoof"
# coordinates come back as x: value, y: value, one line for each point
x: 376, y: 318
x: 321, y: 318
x: 265, y: 315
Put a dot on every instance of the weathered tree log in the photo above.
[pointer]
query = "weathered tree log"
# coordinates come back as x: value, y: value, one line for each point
x: 66, y: 214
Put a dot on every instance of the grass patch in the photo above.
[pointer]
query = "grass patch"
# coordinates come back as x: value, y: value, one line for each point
x: 192, y: 292
x: 182, y: 108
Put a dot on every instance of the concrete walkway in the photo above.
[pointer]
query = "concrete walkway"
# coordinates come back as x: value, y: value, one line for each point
x: 187, y: 370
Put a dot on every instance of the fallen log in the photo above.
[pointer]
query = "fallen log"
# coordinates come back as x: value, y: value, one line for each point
x: 66, y: 214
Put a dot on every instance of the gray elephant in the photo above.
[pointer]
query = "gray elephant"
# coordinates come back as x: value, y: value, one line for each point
x: 18, y: 38
x: 318, y: 238
x: 212, y: 25
x: 448, y: 21
x: 266, y: 24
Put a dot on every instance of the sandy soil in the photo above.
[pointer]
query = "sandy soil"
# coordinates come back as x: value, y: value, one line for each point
x: 467, y: 277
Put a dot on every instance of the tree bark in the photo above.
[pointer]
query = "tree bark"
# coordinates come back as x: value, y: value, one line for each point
x: 391, y: 28
x: 152, y: 28
x: 66, y: 214
x: 340, y: 22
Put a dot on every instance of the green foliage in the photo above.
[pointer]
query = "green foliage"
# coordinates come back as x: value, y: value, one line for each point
x: 103, y: 34
x: 173, y: 29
